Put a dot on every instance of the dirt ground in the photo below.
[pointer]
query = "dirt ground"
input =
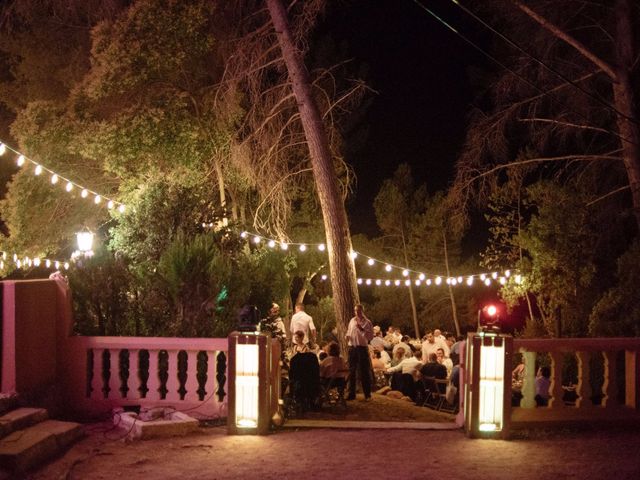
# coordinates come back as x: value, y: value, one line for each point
x: 340, y: 453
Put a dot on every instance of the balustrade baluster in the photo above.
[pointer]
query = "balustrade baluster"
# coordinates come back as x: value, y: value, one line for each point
x: 610, y: 386
x: 114, y: 374
x: 173, y: 383
x: 632, y: 378
x: 153, y: 384
x: 583, y: 388
x: 191, y: 384
x: 529, y: 384
x: 555, y: 389
x: 133, y: 382
x: 212, y: 384
x: 97, y: 380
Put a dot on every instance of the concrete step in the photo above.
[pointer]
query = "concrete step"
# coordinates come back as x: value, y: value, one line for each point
x: 21, y: 418
x: 27, y: 448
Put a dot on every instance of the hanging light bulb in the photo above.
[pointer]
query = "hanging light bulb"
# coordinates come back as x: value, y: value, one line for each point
x: 38, y: 169
x: 428, y: 282
x: 359, y: 281
x: 378, y: 282
x: 84, y: 193
x: 487, y: 281
x: 387, y: 282
x: 243, y: 235
x: 371, y: 261
x: 110, y: 204
x: 503, y: 280
x: 324, y: 277
x: 368, y: 282
x: 284, y: 246
x: 69, y: 187
x: 418, y: 282
x: 454, y: 281
x: 397, y: 283
x: 122, y: 209
x: 3, y: 148
x: 19, y: 264
x: 322, y: 247
x: 438, y: 280
x: 36, y: 262
x: 54, y: 178
x: 470, y: 281
x: 20, y: 160
x: 303, y: 248
x: 494, y: 275
x: 1, y: 264
x: 482, y: 277
x: 271, y: 244
x: 47, y: 263
x: 354, y: 254
x: 256, y: 240
x: 405, y: 273
x: 407, y: 283
x: 448, y: 280
x: 387, y: 268
x: 460, y: 279
x: 518, y: 279
x: 66, y: 265
x: 507, y: 273
x: 15, y: 257
x: 57, y: 265
x: 421, y: 276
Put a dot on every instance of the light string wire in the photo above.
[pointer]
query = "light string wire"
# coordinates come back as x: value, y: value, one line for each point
x: 23, y: 261
x: 411, y: 276
x: 22, y: 160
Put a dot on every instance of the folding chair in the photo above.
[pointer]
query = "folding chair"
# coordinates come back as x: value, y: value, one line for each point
x: 332, y: 390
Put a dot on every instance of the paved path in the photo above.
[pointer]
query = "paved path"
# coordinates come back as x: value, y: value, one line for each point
x: 330, y: 454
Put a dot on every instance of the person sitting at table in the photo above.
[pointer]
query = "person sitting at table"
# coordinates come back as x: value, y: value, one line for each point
x: 405, y: 374
x: 298, y: 345
x: 442, y: 360
x: 543, y: 383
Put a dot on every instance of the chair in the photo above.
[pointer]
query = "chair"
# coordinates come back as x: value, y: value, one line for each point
x: 435, y: 391
x: 304, y: 383
x: 332, y: 390
x: 444, y: 405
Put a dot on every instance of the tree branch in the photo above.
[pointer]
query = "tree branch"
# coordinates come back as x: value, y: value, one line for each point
x: 565, y: 124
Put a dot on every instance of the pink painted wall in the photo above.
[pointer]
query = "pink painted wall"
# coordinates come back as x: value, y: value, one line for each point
x: 29, y: 314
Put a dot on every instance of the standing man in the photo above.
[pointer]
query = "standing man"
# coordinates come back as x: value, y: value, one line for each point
x: 359, y: 334
x: 300, y: 321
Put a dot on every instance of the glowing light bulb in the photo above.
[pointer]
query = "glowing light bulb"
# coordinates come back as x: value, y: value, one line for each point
x: 459, y: 279
x: 3, y: 148
x: 494, y: 275
x: 487, y: 281
x: 469, y: 281
x: 20, y: 160
x: 368, y: 282
x: 405, y: 273
x: 387, y: 282
x: 110, y: 204
x: 518, y: 279
x: 19, y: 264
x: 271, y: 244
x: 38, y: 169
x: 397, y: 283
x: 454, y: 281
x: 57, y: 264
x: 47, y: 263
x: 69, y: 187
x: 359, y: 281
x: 482, y: 277
x: 243, y: 235
x: 54, y: 179
x: 448, y: 281
x: 407, y: 283
x: 354, y: 254
x: 507, y: 273
x: 378, y: 282
x: 387, y: 268
x: 324, y: 277
x: 256, y: 240
x: 421, y: 276
x: 503, y: 280
x: 322, y: 247
x: 438, y: 280
x: 371, y: 261
x: 428, y: 282
x: 122, y: 208
x: 303, y: 248
x: 84, y: 193
x: 284, y: 246
x: 418, y: 282
x: 36, y: 262
x: 66, y: 265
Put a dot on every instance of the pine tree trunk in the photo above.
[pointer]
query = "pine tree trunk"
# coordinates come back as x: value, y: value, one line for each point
x: 624, y: 101
x: 454, y: 308
x: 412, y: 300
x: 343, y: 279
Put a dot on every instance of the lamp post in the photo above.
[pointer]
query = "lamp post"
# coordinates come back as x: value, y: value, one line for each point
x: 85, y: 244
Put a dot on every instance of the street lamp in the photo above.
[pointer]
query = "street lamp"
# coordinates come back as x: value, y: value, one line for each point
x: 85, y: 244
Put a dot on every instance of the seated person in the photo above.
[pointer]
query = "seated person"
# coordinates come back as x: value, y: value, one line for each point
x: 405, y: 374
x: 398, y: 356
x: 333, y: 367
x: 543, y: 383
x: 298, y: 345
x: 442, y: 360
x: 404, y: 345
x: 434, y: 369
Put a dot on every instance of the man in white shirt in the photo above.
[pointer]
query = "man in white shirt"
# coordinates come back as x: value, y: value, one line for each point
x: 429, y: 345
x: 359, y: 334
x: 300, y: 321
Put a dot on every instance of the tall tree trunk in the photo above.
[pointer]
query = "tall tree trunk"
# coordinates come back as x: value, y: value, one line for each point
x: 343, y: 278
x: 454, y: 308
x: 623, y: 95
x: 412, y: 300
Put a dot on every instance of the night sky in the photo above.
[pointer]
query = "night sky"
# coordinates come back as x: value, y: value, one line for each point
x: 421, y: 72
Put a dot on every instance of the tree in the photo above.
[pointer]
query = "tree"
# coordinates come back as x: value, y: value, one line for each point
x: 343, y: 280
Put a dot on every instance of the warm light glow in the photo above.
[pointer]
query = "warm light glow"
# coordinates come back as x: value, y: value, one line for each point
x: 3, y: 148
x: 428, y: 282
x: 470, y: 281
x: 518, y: 279
x: 454, y: 281
x: 110, y: 204
x: 322, y: 247
x: 482, y: 277
x: 397, y: 283
x: 387, y: 282
x: 438, y: 280
x: 20, y: 160
x: 36, y: 262
x: 418, y: 282
x: 243, y: 235
x: 407, y: 283
x: 324, y: 277
x: 54, y: 178
x: 354, y: 254
x: 494, y: 275
x: 359, y: 281
x: 421, y: 276
x: 38, y: 170
x: 303, y: 247
x: 487, y: 282
x: 507, y: 273
x: 85, y: 241
x: 405, y: 272
x: 256, y: 240
x: 491, y: 387
x: 448, y: 281
x: 368, y: 282
x: 247, y: 384
x: 69, y: 187
x: 122, y: 209
x: 370, y: 261
x: 378, y: 282
x: 284, y: 246
x: 503, y: 280
x: 271, y: 244
x: 47, y: 263
x: 387, y: 268
x: 492, y: 310
x: 84, y: 193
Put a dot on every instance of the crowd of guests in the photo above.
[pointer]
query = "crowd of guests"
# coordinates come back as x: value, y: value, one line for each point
x: 378, y: 360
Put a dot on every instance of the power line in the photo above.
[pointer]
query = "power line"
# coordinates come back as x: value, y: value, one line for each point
x: 513, y: 72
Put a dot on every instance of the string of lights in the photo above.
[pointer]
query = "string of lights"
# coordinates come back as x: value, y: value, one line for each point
x: 411, y: 276
x: 55, y: 178
x: 23, y: 261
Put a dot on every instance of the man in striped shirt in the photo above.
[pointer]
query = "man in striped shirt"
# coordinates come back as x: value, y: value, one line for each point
x: 359, y: 334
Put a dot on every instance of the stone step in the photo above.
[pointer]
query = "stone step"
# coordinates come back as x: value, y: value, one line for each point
x: 28, y: 448
x: 21, y: 418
